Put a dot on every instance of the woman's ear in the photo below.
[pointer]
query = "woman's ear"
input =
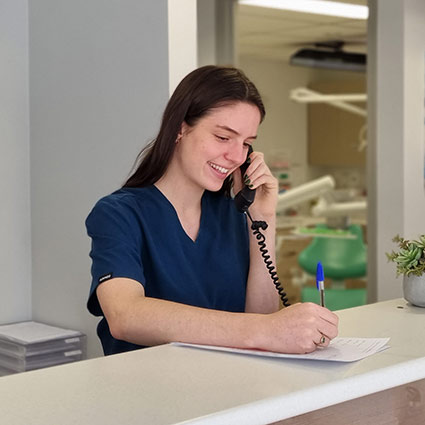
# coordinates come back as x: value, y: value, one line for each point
x: 184, y: 128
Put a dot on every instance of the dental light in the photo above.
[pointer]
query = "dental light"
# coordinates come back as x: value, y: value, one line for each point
x: 305, y: 192
x: 336, y: 213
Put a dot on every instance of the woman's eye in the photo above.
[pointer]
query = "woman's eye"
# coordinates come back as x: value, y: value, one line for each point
x: 223, y: 139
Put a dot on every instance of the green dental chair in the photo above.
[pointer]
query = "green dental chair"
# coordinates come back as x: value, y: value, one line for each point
x: 342, y: 258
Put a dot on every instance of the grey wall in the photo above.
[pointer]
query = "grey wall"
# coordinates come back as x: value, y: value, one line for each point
x: 15, y: 232
x: 98, y: 85
x: 206, y: 19
x: 216, y: 41
x: 396, y: 196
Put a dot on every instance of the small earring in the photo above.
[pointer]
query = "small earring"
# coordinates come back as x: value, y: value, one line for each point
x: 178, y: 138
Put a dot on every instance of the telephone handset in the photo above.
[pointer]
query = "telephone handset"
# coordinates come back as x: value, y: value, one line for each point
x: 246, y: 196
x: 243, y: 201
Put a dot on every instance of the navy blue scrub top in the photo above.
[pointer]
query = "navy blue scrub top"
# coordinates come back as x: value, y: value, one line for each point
x: 136, y: 234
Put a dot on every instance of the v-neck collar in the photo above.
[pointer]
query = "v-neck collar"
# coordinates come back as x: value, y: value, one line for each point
x: 179, y: 225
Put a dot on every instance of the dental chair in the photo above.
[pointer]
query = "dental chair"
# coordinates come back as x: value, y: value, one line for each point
x: 342, y: 258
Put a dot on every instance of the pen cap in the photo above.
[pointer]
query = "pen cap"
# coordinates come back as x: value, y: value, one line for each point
x: 319, y: 273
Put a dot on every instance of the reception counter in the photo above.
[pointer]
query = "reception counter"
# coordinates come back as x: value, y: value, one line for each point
x: 175, y: 385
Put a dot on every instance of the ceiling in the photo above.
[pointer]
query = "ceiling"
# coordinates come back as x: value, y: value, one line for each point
x: 276, y: 34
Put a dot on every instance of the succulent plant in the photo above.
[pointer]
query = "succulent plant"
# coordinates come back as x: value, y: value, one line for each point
x: 410, y: 258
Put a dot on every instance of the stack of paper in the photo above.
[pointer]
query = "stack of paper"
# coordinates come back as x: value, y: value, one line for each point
x: 31, y: 345
x: 339, y: 350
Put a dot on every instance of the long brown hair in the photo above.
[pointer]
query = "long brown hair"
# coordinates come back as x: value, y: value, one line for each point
x: 200, y: 91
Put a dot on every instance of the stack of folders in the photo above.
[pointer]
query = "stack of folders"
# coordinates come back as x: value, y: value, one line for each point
x: 30, y: 345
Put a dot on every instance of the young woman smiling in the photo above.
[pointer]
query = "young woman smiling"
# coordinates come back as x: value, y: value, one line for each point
x: 172, y: 258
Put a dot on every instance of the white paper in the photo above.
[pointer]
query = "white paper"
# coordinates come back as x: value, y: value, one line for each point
x: 339, y: 350
x: 31, y: 332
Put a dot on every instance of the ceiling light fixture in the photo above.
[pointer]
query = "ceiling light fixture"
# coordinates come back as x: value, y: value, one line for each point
x: 330, y: 8
x: 329, y: 55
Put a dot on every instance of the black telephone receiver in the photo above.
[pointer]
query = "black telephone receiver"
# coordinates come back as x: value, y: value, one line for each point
x: 246, y: 196
x: 243, y: 201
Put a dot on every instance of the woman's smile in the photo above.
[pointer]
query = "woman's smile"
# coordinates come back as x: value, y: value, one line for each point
x: 221, y: 172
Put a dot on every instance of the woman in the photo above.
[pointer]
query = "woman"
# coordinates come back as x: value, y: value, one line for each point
x: 173, y: 260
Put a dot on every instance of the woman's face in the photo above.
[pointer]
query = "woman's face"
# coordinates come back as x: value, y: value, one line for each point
x: 217, y: 144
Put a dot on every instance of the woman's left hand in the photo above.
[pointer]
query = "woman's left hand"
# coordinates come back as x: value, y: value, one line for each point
x: 259, y: 177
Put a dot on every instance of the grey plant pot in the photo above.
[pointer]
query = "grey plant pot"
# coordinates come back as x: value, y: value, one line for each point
x: 414, y: 289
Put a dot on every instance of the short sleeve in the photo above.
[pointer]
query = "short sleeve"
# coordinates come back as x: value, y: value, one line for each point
x: 116, y: 246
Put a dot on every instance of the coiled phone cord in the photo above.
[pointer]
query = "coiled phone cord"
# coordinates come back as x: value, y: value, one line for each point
x: 261, y: 240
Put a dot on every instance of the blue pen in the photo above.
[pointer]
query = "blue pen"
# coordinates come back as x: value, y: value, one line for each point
x: 320, y: 283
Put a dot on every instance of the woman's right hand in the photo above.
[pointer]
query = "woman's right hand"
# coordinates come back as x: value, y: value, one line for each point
x: 298, y: 329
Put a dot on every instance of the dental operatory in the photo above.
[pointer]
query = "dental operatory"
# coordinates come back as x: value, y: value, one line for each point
x: 213, y: 212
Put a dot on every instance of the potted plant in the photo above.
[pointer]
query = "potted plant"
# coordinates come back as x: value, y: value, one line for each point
x: 410, y: 262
